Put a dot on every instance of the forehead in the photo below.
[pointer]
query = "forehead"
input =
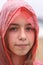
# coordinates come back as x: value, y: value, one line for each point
x: 22, y: 17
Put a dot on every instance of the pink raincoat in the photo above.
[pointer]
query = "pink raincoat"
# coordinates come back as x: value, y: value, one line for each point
x: 10, y: 9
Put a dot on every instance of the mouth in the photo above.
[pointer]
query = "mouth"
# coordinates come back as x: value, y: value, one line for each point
x: 21, y: 44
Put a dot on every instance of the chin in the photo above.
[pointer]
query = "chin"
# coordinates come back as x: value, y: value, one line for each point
x: 21, y: 54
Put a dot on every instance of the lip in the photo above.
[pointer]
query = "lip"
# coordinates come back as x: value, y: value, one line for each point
x: 21, y: 45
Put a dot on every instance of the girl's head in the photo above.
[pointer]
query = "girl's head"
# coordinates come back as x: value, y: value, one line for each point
x: 19, y: 30
x: 20, y: 35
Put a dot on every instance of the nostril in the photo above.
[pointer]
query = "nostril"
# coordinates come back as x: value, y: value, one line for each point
x: 22, y: 39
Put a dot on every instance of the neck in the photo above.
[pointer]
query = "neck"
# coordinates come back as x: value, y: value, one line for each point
x: 18, y: 60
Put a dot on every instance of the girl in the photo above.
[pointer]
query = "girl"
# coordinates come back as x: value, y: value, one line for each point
x: 18, y: 34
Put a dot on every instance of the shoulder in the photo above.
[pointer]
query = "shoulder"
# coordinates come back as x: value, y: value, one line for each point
x: 37, y: 62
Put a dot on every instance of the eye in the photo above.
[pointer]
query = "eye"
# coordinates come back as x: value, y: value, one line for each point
x: 13, y: 29
x: 28, y: 28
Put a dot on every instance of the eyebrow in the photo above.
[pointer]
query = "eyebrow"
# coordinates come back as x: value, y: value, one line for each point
x: 29, y: 24
x: 14, y: 24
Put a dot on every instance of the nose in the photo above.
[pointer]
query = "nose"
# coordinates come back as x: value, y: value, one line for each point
x: 22, y: 36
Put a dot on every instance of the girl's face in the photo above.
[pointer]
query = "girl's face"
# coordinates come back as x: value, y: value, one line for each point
x: 20, y: 35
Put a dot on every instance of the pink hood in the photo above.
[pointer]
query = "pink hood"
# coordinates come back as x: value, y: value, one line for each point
x: 9, y: 9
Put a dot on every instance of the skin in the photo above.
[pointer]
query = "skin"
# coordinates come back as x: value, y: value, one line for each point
x: 20, y: 37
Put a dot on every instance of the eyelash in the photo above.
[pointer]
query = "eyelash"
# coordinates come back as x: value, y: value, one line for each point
x: 28, y: 28
x: 13, y: 29
x: 16, y: 29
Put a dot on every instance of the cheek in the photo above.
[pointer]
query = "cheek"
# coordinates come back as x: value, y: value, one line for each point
x: 31, y: 37
x: 11, y: 38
